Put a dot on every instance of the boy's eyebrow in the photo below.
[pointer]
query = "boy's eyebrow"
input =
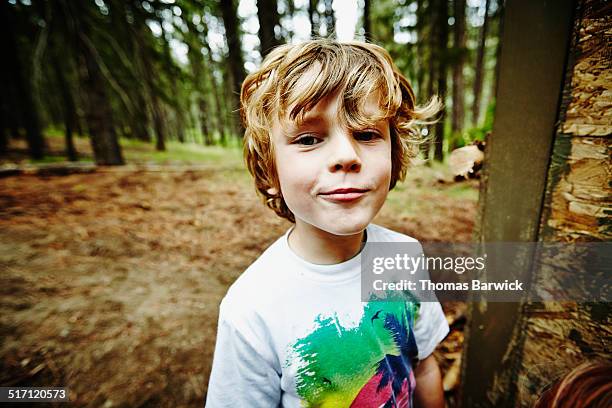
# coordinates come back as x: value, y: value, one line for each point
x: 307, y: 120
x: 317, y: 119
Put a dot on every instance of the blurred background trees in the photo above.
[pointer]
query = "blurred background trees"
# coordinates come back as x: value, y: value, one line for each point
x: 161, y: 70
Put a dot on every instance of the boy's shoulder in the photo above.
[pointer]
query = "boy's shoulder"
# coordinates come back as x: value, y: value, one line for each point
x: 376, y: 233
x: 260, y: 279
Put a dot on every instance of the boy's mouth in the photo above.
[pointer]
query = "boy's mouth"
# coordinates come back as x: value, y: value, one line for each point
x: 344, y: 194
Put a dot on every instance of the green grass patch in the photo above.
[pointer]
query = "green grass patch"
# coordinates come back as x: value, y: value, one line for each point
x: 137, y: 151
x: 57, y: 159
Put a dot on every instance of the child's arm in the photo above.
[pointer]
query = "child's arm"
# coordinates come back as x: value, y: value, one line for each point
x: 428, y: 392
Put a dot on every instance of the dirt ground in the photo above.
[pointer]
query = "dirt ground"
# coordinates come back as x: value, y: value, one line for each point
x: 111, y: 281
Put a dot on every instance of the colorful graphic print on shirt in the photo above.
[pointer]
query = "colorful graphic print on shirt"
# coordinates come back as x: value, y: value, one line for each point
x: 367, y: 365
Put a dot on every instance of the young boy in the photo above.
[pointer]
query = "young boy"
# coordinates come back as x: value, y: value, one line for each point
x: 329, y: 131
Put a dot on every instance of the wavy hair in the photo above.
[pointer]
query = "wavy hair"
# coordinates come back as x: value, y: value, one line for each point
x: 353, y: 70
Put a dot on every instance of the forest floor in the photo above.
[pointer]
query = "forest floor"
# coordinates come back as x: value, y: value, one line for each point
x: 111, y: 281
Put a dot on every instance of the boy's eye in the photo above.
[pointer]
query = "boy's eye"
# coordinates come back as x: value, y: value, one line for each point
x: 365, y: 136
x: 307, y: 140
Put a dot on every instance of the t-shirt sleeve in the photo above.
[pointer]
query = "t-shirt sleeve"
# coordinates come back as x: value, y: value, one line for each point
x: 242, y: 375
x: 430, y: 328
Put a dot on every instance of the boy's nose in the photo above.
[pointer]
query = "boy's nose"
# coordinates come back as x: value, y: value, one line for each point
x: 344, y: 155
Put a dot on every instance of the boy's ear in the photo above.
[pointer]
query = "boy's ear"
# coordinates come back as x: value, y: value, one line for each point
x: 272, y: 191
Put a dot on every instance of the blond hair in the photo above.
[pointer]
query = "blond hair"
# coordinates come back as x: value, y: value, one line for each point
x: 354, y: 70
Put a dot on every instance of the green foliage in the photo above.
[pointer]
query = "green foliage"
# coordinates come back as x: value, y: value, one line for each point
x: 162, y: 78
x: 137, y: 151
x: 185, y: 153
x: 479, y: 133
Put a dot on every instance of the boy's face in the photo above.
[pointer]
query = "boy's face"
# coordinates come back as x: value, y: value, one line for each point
x: 332, y: 178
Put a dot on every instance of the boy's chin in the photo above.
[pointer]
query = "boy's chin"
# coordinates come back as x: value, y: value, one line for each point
x: 344, y: 227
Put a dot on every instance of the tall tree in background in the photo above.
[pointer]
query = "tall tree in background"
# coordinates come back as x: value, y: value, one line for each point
x: 421, y: 45
x: 236, y: 61
x: 313, y: 17
x: 104, y: 140
x: 458, y: 113
x: 68, y: 109
x: 442, y: 56
x: 158, y: 76
x: 19, y: 78
x: 288, y: 31
x: 267, y: 13
x: 479, y: 74
x: 200, y: 77
x: 501, y: 7
x: 367, y: 27
x: 62, y: 66
x: 216, y: 87
x: 153, y: 91
x: 330, y: 19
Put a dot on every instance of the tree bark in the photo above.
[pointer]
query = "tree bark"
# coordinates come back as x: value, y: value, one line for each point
x: 267, y: 13
x: 104, y: 141
x: 69, y: 110
x: 220, y: 121
x: 479, y: 74
x: 330, y: 19
x: 156, y: 107
x: 367, y: 27
x: 500, y: 30
x: 442, y: 44
x: 289, y: 32
x: 430, y: 13
x: 420, y: 46
x: 236, y: 61
x: 27, y: 107
x: 98, y: 111
x: 141, y: 118
x: 313, y: 16
x: 458, y: 79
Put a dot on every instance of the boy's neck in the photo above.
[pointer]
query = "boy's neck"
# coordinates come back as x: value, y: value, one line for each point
x: 321, y: 247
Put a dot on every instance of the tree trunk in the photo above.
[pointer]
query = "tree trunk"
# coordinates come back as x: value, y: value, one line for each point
x: 158, y: 123
x: 175, y: 98
x: 430, y: 13
x: 500, y: 30
x: 420, y: 46
x: 17, y: 74
x: 206, y: 139
x: 140, y: 121
x: 220, y: 112
x: 233, y: 126
x: 267, y: 13
x: 156, y: 108
x: 180, y: 125
x: 367, y: 28
x: 236, y: 61
x: 458, y: 80
x: 330, y: 19
x: 442, y: 44
x: 479, y: 75
x: 69, y: 110
x: 98, y: 112
x: 4, y: 128
x: 104, y: 141
x: 558, y: 195
x: 313, y: 16
x: 289, y: 32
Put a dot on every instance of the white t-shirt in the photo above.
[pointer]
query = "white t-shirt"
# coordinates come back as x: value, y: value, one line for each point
x: 294, y: 334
